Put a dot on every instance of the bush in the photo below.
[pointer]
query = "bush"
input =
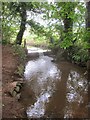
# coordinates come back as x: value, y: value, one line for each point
x: 20, y: 51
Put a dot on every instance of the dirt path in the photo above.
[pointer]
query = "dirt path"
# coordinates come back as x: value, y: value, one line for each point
x: 11, y: 107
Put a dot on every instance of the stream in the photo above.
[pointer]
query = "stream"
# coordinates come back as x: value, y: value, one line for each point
x: 59, y: 89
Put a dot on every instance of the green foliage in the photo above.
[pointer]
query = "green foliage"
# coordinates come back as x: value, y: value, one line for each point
x: 74, y: 35
x: 20, y: 51
x: 80, y: 55
x: 36, y: 40
x: 10, y: 24
x: 37, y: 28
x: 20, y: 70
x: 78, y: 37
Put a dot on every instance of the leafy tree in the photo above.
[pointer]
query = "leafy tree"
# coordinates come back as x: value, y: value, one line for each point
x: 88, y: 24
x: 10, y: 24
x: 65, y: 25
x: 20, y: 8
x: 16, y: 11
x: 88, y: 39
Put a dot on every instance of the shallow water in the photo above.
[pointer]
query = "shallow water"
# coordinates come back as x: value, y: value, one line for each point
x: 60, y: 89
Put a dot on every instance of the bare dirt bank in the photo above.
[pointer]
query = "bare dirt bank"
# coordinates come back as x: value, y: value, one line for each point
x: 11, y: 107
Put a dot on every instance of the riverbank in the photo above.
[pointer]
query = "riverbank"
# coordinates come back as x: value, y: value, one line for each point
x: 11, y: 107
x: 68, y: 80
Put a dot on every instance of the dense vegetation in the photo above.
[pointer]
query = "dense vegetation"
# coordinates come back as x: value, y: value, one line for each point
x: 60, y: 26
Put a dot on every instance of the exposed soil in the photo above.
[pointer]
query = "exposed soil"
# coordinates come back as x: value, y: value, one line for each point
x: 11, y: 107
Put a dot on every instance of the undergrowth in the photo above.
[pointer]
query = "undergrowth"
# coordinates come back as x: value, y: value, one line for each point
x: 20, y: 52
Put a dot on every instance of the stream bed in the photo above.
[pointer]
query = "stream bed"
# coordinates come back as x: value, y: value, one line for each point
x: 59, y: 89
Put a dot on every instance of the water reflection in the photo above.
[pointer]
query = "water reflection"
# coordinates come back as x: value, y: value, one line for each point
x: 75, y: 86
x: 42, y: 75
x: 38, y: 109
x: 76, y: 90
x: 60, y: 92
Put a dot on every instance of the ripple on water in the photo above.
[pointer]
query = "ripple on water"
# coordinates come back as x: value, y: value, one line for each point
x: 38, y: 109
x: 45, y: 74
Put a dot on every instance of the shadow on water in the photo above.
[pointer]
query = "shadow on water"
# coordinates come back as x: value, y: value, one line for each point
x: 55, y: 90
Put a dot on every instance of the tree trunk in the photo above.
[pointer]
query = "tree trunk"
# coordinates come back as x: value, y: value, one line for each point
x: 68, y: 30
x: 68, y: 24
x: 88, y: 62
x: 68, y: 21
x: 22, y: 26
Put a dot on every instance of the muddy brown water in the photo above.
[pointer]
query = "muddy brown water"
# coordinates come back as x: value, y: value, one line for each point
x: 54, y: 90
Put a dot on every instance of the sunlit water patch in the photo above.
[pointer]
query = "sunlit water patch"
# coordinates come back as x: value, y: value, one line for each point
x: 36, y: 50
x: 42, y: 75
x: 38, y: 109
x: 77, y: 87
